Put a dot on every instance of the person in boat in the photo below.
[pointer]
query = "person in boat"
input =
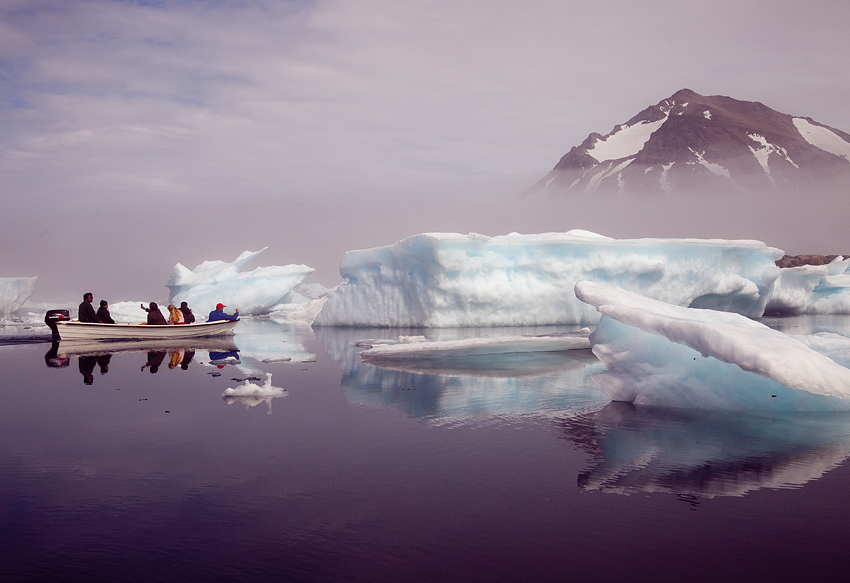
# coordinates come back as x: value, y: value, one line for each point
x: 175, y: 316
x: 188, y: 316
x: 218, y: 314
x: 155, y: 317
x: 86, y: 311
x: 103, y: 313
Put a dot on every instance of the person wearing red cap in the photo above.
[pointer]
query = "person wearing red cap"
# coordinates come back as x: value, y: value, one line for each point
x: 218, y: 314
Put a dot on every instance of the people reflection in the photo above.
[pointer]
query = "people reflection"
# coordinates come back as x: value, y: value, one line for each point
x: 175, y: 358
x: 187, y: 358
x: 87, y: 364
x: 155, y: 359
x: 221, y: 358
x: 103, y: 362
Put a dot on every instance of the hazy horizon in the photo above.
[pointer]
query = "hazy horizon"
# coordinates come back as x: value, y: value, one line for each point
x: 140, y: 134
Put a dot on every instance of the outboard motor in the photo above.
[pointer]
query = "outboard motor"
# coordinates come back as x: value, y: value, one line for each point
x: 53, y: 316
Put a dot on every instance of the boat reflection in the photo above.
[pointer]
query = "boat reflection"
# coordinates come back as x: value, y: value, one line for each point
x: 466, y: 389
x: 180, y: 353
x: 696, y: 454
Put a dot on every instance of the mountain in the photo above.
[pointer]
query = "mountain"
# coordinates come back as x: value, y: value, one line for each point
x: 692, y: 143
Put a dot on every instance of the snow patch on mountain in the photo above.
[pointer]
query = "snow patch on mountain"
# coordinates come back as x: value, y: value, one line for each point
x: 715, y: 169
x: 596, y: 180
x: 625, y: 142
x: 823, y: 138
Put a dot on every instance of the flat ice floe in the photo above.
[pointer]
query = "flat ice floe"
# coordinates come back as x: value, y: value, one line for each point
x: 448, y: 280
x: 420, y: 347
x: 659, y: 354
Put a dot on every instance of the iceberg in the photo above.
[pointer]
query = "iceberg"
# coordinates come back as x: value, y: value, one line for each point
x: 812, y: 289
x: 660, y: 354
x: 253, y: 292
x: 14, y: 292
x: 437, y: 280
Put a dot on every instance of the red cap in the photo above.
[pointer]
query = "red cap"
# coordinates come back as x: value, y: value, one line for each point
x: 219, y: 306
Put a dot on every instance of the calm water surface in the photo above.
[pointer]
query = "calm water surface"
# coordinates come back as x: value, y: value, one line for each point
x: 507, y: 469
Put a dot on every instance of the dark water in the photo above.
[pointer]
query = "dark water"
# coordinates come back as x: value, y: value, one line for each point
x: 502, y: 469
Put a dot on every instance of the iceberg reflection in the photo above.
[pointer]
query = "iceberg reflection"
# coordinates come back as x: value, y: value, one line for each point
x: 464, y: 389
x: 697, y: 454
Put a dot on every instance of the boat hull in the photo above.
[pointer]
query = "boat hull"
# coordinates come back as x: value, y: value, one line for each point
x: 92, y: 331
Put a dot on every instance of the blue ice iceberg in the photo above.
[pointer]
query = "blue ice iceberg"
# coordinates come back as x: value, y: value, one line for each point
x: 253, y: 292
x: 439, y: 280
x: 812, y: 289
x: 660, y: 354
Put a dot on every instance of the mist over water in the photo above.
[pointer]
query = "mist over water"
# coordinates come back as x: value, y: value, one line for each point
x: 125, y: 251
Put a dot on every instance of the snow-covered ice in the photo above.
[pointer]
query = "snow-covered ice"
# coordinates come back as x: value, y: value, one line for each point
x: 253, y: 292
x: 14, y: 292
x: 659, y: 354
x: 438, y: 280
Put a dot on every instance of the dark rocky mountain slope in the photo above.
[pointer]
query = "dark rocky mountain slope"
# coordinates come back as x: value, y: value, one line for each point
x: 692, y: 143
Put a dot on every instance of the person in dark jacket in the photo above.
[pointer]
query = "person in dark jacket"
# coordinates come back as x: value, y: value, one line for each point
x: 86, y: 312
x: 155, y: 317
x: 103, y: 313
x: 188, y: 316
x: 218, y: 314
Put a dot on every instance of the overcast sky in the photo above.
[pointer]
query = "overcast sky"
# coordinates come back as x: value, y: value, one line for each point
x: 138, y: 134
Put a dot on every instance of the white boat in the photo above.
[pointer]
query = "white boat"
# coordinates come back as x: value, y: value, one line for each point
x: 73, y: 330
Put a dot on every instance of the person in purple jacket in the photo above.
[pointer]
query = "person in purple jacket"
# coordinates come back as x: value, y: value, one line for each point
x: 218, y: 314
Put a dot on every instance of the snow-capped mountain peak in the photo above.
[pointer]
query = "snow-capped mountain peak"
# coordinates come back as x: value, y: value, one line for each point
x: 691, y: 142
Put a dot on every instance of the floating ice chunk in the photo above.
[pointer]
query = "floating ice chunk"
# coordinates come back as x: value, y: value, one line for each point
x: 253, y: 292
x: 660, y: 354
x: 14, y: 291
x: 476, y: 346
x: 249, y: 389
x: 812, y: 289
x: 793, y: 288
x: 301, y: 305
x: 436, y: 280
x: 251, y: 395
